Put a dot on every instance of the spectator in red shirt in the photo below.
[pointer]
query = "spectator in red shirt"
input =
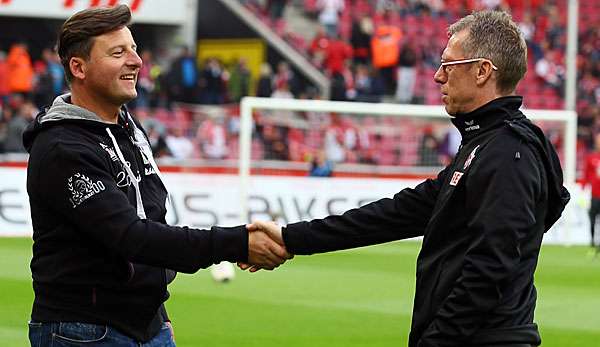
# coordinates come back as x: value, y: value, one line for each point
x: 592, y: 178
x: 318, y: 47
x: 336, y: 55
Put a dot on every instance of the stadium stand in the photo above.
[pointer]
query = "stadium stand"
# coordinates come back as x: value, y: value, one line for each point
x: 297, y: 137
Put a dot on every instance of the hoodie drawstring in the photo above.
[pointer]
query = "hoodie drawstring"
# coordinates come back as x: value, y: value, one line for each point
x: 138, y: 194
x: 140, y: 142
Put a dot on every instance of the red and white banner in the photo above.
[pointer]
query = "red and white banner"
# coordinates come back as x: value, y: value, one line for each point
x: 144, y: 11
x: 204, y: 200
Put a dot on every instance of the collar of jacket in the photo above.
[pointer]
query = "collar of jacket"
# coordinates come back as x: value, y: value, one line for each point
x: 488, y: 116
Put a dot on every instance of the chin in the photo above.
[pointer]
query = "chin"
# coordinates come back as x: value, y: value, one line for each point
x: 452, y: 112
x: 127, y: 97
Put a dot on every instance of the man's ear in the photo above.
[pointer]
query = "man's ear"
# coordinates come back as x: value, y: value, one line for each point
x: 484, y: 72
x: 78, y: 67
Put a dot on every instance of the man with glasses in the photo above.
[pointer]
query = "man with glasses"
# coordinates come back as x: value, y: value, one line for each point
x: 482, y: 218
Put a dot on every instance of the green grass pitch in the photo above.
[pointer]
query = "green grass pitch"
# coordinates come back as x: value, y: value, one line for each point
x: 361, y: 297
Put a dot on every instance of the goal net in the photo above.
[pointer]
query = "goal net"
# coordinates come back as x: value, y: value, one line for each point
x: 291, y: 137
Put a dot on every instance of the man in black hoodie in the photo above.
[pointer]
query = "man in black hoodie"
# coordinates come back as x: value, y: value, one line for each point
x: 103, y: 253
x: 483, y: 218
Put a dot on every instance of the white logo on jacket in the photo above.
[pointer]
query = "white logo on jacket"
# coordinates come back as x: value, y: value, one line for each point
x: 111, y: 152
x: 470, y: 158
x: 82, y: 188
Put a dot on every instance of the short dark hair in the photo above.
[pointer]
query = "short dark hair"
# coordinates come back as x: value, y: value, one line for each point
x: 77, y: 34
x: 495, y: 36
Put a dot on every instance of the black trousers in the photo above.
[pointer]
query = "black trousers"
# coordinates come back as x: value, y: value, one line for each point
x: 594, y: 211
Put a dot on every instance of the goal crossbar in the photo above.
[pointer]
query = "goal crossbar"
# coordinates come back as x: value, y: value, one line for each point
x: 248, y: 104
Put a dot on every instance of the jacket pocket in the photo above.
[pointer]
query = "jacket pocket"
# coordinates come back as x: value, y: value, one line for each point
x: 74, y: 334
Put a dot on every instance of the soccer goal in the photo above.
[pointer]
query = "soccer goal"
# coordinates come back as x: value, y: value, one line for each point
x: 360, y: 140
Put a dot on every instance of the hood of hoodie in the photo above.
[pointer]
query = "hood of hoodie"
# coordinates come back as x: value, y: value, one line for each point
x: 505, y: 111
x: 61, y: 110
x: 558, y: 195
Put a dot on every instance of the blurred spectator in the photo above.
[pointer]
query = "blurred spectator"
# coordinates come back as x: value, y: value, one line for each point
x: 56, y: 70
x: 239, y: 81
x: 6, y: 114
x: 275, y: 145
x: 336, y: 55
x: 20, y: 70
x: 592, y: 179
x: 43, y: 85
x: 285, y: 74
x: 549, y: 69
x: 318, y: 47
x: 180, y: 146
x: 329, y: 14
x: 282, y: 91
x: 385, y: 47
x: 275, y: 8
x: 16, y: 125
x: 212, y: 82
x: 334, y: 141
x: 264, y: 86
x: 368, y: 86
x: 407, y: 74
x: 450, y: 145
x: 321, y: 166
x: 183, y: 77
x: 362, y: 31
x: 146, y: 81
x: 4, y: 86
x: 428, y: 149
x: 157, y: 142
x: 337, y: 87
x: 555, y: 30
x: 211, y: 137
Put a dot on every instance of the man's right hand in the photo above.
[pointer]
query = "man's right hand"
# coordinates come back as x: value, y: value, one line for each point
x: 266, y: 249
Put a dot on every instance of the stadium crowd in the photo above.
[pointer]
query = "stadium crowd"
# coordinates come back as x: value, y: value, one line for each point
x: 372, y: 51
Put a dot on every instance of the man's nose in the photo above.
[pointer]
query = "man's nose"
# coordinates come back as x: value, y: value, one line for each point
x: 134, y: 60
x: 440, y: 76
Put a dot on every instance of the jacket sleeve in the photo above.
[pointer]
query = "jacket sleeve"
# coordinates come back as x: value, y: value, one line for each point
x: 404, y: 216
x: 502, y: 192
x: 75, y: 183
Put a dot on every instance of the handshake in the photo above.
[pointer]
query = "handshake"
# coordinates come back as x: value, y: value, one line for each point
x: 266, y: 249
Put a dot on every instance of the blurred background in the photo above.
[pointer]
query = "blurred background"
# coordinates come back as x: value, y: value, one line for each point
x: 201, y: 57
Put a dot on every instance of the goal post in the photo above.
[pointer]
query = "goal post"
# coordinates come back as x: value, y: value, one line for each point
x: 250, y: 104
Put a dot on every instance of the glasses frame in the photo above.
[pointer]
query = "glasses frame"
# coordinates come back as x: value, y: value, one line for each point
x: 444, y: 64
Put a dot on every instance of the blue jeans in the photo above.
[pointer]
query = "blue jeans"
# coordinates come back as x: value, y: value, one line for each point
x: 68, y: 334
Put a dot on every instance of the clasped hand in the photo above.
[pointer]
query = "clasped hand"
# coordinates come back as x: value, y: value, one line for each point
x: 266, y: 249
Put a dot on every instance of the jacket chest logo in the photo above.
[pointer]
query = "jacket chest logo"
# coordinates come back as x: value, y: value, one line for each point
x: 470, y: 158
x: 456, y: 177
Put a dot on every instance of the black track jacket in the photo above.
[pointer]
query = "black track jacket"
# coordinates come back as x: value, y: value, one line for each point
x: 95, y: 260
x: 482, y: 219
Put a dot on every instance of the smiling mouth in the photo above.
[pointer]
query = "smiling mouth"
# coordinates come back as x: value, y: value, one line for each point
x: 127, y: 77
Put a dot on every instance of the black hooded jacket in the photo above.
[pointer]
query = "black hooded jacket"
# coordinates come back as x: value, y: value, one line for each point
x: 98, y: 257
x: 482, y: 218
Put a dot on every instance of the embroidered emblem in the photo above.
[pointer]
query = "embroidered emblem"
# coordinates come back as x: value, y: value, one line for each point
x: 148, y: 169
x: 82, y: 188
x: 455, y: 178
x: 470, y: 158
x: 111, y: 152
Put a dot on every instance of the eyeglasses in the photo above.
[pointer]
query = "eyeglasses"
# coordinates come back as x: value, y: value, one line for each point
x: 445, y: 64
